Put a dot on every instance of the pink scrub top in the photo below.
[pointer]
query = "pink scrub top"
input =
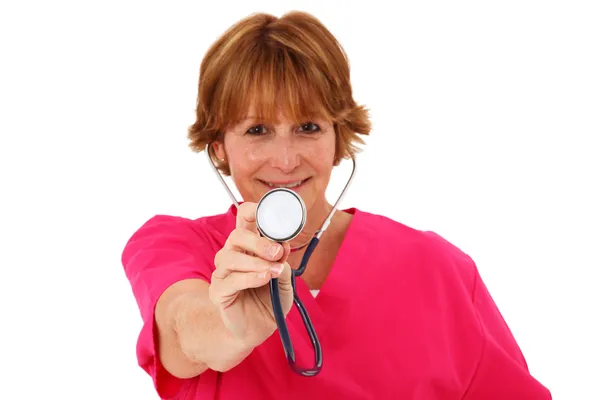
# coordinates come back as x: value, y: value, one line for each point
x: 403, y: 314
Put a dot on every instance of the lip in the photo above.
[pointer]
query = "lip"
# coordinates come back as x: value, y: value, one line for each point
x: 295, y: 188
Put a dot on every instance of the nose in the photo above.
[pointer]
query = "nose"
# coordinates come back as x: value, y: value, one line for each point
x: 285, y: 155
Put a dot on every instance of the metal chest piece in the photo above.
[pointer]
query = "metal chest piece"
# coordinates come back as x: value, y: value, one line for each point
x: 280, y: 215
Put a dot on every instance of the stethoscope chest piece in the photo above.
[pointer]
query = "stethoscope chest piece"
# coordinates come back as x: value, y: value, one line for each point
x: 280, y: 215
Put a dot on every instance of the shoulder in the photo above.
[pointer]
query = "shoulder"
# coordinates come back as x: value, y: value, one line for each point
x: 180, y: 234
x: 428, y: 250
x: 166, y: 224
x: 391, y: 231
x: 172, y: 226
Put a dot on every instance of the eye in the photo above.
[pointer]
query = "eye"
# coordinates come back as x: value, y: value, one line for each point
x: 257, y: 130
x: 309, y: 127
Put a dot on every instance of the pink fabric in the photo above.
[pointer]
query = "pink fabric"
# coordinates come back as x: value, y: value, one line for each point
x: 403, y: 314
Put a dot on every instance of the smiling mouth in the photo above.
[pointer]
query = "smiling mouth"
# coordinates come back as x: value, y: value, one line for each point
x: 289, y: 185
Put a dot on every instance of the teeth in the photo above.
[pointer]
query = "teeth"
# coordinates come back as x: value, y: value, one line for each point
x: 288, y: 186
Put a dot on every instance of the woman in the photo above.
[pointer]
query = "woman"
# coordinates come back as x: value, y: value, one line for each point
x: 400, y: 313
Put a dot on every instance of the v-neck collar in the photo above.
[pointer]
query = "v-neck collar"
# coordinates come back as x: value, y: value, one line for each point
x: 335, y: 289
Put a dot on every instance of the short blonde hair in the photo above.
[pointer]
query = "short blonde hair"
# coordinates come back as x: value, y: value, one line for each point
x: 293, y: 64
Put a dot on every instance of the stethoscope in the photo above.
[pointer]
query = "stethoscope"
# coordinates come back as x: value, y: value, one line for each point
x: 280, y: 217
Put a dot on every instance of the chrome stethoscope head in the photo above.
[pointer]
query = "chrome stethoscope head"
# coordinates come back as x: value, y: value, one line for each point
x: 280, y: 215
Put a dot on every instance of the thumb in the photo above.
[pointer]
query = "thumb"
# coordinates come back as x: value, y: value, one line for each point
x: 286, y: 292
x: 285, y: 279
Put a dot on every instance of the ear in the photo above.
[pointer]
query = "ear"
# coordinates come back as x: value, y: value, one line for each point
x: 219, y: 149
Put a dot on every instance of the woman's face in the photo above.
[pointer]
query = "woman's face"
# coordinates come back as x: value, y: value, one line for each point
x: 297, y: 155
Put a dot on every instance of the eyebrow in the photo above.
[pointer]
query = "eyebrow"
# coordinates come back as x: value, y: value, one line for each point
x: 256, y: 118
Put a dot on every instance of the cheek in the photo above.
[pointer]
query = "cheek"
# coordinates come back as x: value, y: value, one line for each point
x: 244, y: 161
x: 254, y: 154
x: 240, y: 169
x: 240, y: 155
x: 322, y: 155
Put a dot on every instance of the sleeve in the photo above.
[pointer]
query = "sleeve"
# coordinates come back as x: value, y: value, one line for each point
x: 502, y: 371
x: 163, y: 251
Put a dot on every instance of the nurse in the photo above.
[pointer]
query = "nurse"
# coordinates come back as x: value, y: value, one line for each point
x: 400, y: 313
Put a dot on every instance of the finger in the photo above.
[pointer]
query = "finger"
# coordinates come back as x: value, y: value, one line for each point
x: 243, y: 240
x: 227, y: 262
x: 285, y: 277
x: 246, y: 217
x: 237, y: 281
x: 287, y: 249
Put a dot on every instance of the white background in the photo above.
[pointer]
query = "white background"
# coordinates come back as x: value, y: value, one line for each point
x: 486, y: 123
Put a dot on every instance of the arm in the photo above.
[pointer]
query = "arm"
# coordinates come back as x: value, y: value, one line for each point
x: 192, y: 336
x: 169, y: 263
x: 502, y: 371
x: 164, y: 259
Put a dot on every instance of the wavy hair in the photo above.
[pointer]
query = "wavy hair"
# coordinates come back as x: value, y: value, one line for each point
x: 291, y: 64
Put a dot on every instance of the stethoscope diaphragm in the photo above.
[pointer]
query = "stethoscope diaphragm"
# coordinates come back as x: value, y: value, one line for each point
x: 280, y: 215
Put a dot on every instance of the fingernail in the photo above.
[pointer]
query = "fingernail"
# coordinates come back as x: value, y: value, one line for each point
x: 276, y: 268
x: 262, y: 275
x: 274, y: 250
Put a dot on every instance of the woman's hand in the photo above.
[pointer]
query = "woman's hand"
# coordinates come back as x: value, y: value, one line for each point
x: 239, y: 286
